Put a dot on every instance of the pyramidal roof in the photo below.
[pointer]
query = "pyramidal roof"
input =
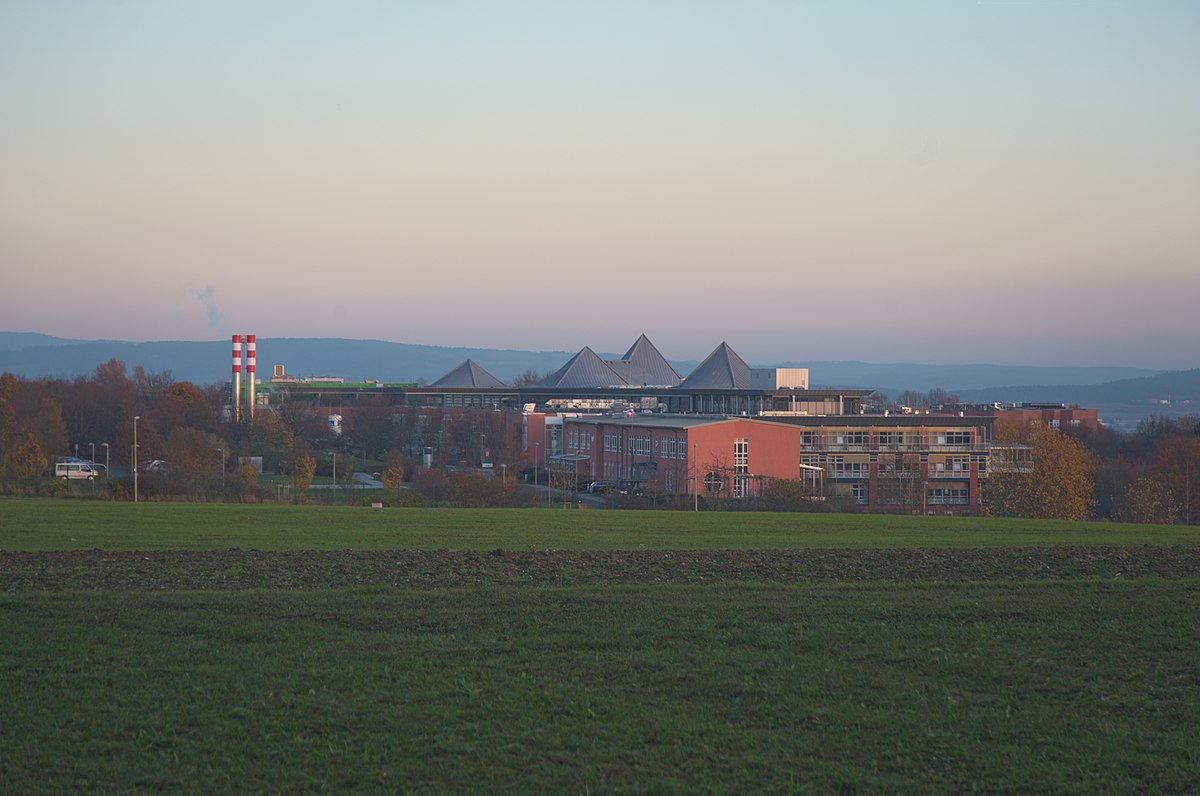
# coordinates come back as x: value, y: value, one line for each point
x: 646, y: 366
x: 585, y: 369
x: 468, y: 374
x: 723, y: 369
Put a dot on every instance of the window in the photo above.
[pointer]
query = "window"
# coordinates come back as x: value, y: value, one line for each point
x: 890, y: 438
x: 808, y: 439
x: 741, y: 466
x: 859, y: 492
x: 958, y: 464
x: 960, y: 438
x: 859, y: 439
x: 940, y: 496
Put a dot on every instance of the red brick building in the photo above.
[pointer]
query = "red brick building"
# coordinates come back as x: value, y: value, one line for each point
x: 898, y: 463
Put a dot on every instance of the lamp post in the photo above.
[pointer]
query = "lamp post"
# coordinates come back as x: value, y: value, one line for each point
x: 135, y: 465
x: 333, y: 456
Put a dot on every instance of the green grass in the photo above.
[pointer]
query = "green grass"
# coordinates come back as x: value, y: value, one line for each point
x: 1077, y: 687
x: 47, y: 524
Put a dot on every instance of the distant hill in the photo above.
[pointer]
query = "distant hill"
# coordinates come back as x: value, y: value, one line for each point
x: 209, y: 362
x: 1170, y: 386
x: 1121, y: 403
x: 13, y: 341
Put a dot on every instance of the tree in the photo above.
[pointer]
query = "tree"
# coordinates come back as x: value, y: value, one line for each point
x: 530, y: 376
x: 270, y: 438
x: 393, y: 473
x: 1177, y: 466
x: 304, y: 466
x: 372, y: 427
x: 25, y: 457
x: 245, y: 482
x: 184, y: 404
x: 1147, y: 500
x: 787, y: 494
x: 1056, y: 481
x: 899, y: 484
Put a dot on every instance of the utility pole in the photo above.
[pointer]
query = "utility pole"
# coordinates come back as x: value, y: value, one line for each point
x: 135, y: 465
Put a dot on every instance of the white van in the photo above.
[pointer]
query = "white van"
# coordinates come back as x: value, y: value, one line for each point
x: 75, y: 469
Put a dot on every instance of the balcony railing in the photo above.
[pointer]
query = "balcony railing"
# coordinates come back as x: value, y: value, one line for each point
x: 943, y: 500
x: 964, y: 472
x: 848, y: 472
x: 910, y: 445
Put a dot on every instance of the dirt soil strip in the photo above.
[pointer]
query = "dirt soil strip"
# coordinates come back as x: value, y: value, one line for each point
x: 234, y: 570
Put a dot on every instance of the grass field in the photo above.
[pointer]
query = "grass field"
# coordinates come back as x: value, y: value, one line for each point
x: 47, y: 524
x: 1089, y: 687
x: 1079, y: 685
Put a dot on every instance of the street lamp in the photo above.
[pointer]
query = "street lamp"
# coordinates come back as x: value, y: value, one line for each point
x: 135, y: 466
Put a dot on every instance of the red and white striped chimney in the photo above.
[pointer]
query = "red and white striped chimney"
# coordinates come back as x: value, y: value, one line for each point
x: 251, y: 366
x: 237, y: 377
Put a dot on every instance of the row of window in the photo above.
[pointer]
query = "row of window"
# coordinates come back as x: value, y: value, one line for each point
x: 935, y: 497
x: 884, y: 439
x: 580, y: 439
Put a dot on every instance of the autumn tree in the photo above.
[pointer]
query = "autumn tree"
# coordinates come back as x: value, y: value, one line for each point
x: 25, y: 458
x: 393, y: 473
x: 304, y: 466
x: 185, y: 405
x: 1055, y: 481
x: 245, y: 482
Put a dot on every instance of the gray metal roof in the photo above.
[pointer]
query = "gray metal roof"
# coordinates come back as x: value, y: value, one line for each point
x: 647, y: 367
x: 585, y: 369
x: 468, y: 374
x: 723, y: 369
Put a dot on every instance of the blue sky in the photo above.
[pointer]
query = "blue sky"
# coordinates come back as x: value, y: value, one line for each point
x: 1010, y: 182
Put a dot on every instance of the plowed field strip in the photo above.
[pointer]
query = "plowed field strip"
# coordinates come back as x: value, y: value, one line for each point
x: 303, y: 570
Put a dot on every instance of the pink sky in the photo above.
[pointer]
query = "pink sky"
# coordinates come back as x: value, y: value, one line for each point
x: 1009, y: 183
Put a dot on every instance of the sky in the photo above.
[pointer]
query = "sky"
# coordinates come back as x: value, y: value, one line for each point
x: 945, y: 182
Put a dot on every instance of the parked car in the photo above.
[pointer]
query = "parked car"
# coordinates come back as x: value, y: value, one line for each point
x: 75, y: 469
x: 601, y: 487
